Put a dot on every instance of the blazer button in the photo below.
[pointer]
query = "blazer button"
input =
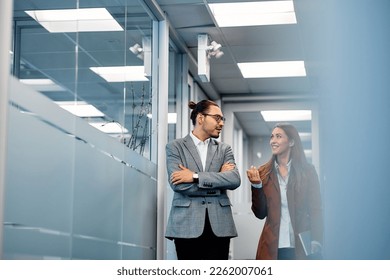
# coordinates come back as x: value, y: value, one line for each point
x: 203, y: 202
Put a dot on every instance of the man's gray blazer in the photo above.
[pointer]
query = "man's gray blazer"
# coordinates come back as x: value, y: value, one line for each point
x: 190, y: 200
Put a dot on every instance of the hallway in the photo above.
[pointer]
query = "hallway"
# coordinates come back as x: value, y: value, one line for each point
x: 79, y: 184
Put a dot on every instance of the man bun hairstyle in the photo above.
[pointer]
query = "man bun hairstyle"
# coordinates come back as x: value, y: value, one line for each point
x: 202, y: 107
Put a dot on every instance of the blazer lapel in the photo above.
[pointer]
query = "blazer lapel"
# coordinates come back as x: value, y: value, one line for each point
x: 274, y: 179
x: 211, y: 151
x: 189, y: 144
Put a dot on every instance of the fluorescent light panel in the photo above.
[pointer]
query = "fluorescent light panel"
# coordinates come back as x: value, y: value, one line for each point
x: 253, y: 13
x: 305, y: 136
x: 272, y: 69
x: 308, y: 153
x: 121, y: 73
x: 76, y: 20
x: 286, y: 115
x: 172, y: 117
x: 110, y: 127
x: 44, y: 85
x: 81, y: 109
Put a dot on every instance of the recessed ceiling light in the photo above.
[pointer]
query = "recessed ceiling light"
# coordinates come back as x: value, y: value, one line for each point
x: 305, y: 136
x: 308, y: 153
x: 272, y: 69
x: 110, y: 127
x: 76, y: 20
x: 253, y: 13
x: 80, y: 108
x: 172, y: 117
x: 43, y: 85
x: 121, y: 73
x: 286, y: 115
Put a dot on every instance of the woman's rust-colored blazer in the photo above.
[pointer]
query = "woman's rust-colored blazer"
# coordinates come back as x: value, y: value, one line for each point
x: 304, y: 203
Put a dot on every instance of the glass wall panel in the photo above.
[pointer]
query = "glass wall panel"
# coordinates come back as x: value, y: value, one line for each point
x: 80, y: 183
x: 93, y: 58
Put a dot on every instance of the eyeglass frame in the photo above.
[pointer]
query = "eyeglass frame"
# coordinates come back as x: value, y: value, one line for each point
x: 216, y: 117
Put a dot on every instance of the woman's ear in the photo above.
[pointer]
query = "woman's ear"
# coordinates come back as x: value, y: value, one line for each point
x: 291, y: 143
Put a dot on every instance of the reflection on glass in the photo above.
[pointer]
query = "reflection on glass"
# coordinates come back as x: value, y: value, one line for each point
x: 77, y: 52
x: 75, y: 20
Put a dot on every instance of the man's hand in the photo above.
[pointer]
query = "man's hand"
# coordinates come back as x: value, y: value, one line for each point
x: 227, y: 166
x: 182, y: 176
x: 253, y: 175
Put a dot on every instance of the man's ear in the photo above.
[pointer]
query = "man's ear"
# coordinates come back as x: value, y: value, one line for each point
x: 199, y: 118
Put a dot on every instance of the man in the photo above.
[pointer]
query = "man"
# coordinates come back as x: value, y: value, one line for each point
x: 200, y: 171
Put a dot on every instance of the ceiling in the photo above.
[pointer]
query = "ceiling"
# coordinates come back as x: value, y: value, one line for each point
x: 240, y: 44
x: 247, y: 44
x: 187, y: 18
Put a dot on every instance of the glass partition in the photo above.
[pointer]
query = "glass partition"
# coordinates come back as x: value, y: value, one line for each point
x: 91, y: 58
x: 80, y: 183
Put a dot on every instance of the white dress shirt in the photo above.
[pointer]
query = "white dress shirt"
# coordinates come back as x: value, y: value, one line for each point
x: 202, y: 147
x: 286, y: 232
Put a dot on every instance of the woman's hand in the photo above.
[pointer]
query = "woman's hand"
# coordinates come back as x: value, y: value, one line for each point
x: 253, y: 175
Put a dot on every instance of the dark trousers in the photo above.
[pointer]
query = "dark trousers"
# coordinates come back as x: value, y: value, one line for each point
x: 286, y: 254
x: 208, y: 246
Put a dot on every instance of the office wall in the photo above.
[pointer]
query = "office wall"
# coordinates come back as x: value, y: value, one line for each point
x: 73, y: 192
x: 354, y: 126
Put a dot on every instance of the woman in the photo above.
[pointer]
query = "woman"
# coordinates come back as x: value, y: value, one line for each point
x: 286, y: 191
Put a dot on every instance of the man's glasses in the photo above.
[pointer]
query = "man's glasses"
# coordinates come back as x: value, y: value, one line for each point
x: 217, y: 118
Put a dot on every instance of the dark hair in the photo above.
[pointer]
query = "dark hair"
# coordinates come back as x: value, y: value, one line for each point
x: 202, y: 107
